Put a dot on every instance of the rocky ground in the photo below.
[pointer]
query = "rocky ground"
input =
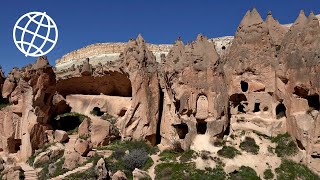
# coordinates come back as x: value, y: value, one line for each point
x: 238, y: 155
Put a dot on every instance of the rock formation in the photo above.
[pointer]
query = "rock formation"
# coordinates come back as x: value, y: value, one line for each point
x: 265, y: 79
x: 190, y: 106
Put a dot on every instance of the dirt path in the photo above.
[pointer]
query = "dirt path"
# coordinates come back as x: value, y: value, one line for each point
x: 151, y: 170
x: 29, y: 172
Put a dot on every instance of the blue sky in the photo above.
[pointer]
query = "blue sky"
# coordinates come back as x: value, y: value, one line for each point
x: 84, y: 22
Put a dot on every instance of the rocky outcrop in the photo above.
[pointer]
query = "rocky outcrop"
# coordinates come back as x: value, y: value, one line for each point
x: 190, y: 106
x: 250, y: 75
x: 30, y: 90
x: 264, y: 79
x: 299, y: 66
x: 140, y: 121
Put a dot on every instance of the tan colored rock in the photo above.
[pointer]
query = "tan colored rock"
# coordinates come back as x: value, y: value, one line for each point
x: 72, y: 160
x: 86, y: 68
x: 101, y: 170
x: 139, y: 174
x: 84, y: 128
x: 60, y: 136
x: 119, y: 175
x: 82, y: 147
x: 50, y: 135
x: 100, y: 132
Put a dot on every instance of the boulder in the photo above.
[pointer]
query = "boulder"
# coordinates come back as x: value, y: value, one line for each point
x: 139, y: 174
x: 71, y: 161
x: 119, y: 175
x: 60, y: 136
x: 101, y: 169
x: 82, y: 147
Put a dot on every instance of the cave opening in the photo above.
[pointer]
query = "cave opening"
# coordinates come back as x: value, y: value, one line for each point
x: 182, y: 130
x: 244, y: 86
x: 300, y: 145
x: 236, y: 99
x: 281, y: 111
x: 67, y: 122
x: 201, y: 127
x: 97, y: 111
x: 177, y: 105
x: 14, y: 145
x: 314, y: 102
x: 122, y: 112
x: 111, y: 84
x: 256, y: 107
x: 241, y: 108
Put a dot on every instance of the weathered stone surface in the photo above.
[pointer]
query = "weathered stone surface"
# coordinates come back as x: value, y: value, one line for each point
x: 119, y: 175
x: 82, y: 147
x: 101, y: 170
x: 139, y: 174
x: 192, y: 80
x: 60, y: 136
x: 72, y: 160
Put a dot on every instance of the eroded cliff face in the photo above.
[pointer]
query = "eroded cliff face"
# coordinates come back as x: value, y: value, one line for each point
x: 195, y: 99
x: 24, y: 122
x: 300, y: 75
x: 266, y: 80
x: 251, y: 76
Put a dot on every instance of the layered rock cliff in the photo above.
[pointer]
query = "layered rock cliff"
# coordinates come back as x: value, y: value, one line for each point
x: 264, y: 80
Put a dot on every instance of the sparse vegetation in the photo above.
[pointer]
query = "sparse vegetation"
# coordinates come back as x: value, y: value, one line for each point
x: 3, y: 105
x: 136, y: 158
x: 170, y: 155
x: 228, y: 152
x: 181, y: 171
x: 89, y: 174
x: 130, y: 145
x: 270, y: 149
x: 268, y: 174
x: 289, y: 170
x: 244, y: 173
x: 219, y: 142
x: 249, y: 145
x: 43, y: 148
x: 204, y: 155
x: 285, y: 145
x: 44, y: 174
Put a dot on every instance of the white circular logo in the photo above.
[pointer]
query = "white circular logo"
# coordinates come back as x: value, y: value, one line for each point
x: 35, y: 34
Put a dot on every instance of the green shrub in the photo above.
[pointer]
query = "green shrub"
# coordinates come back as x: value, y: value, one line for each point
x: 182, y: 171
x: 135, y: 159
x: 3, y: 105
x: 168, y: 155
x: 130, y: 145
x: 244, y: 173
x: 147, y: 164
x: 59, y: 168
x: 187, y: 156
x: 268, y: 174
x: 285, y: 145
x: 270, y: 149
x: 249, y: 145
x: 219, y: 143
x: 289, y: 170
x: 44, y: 174
x: 228, y: 152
